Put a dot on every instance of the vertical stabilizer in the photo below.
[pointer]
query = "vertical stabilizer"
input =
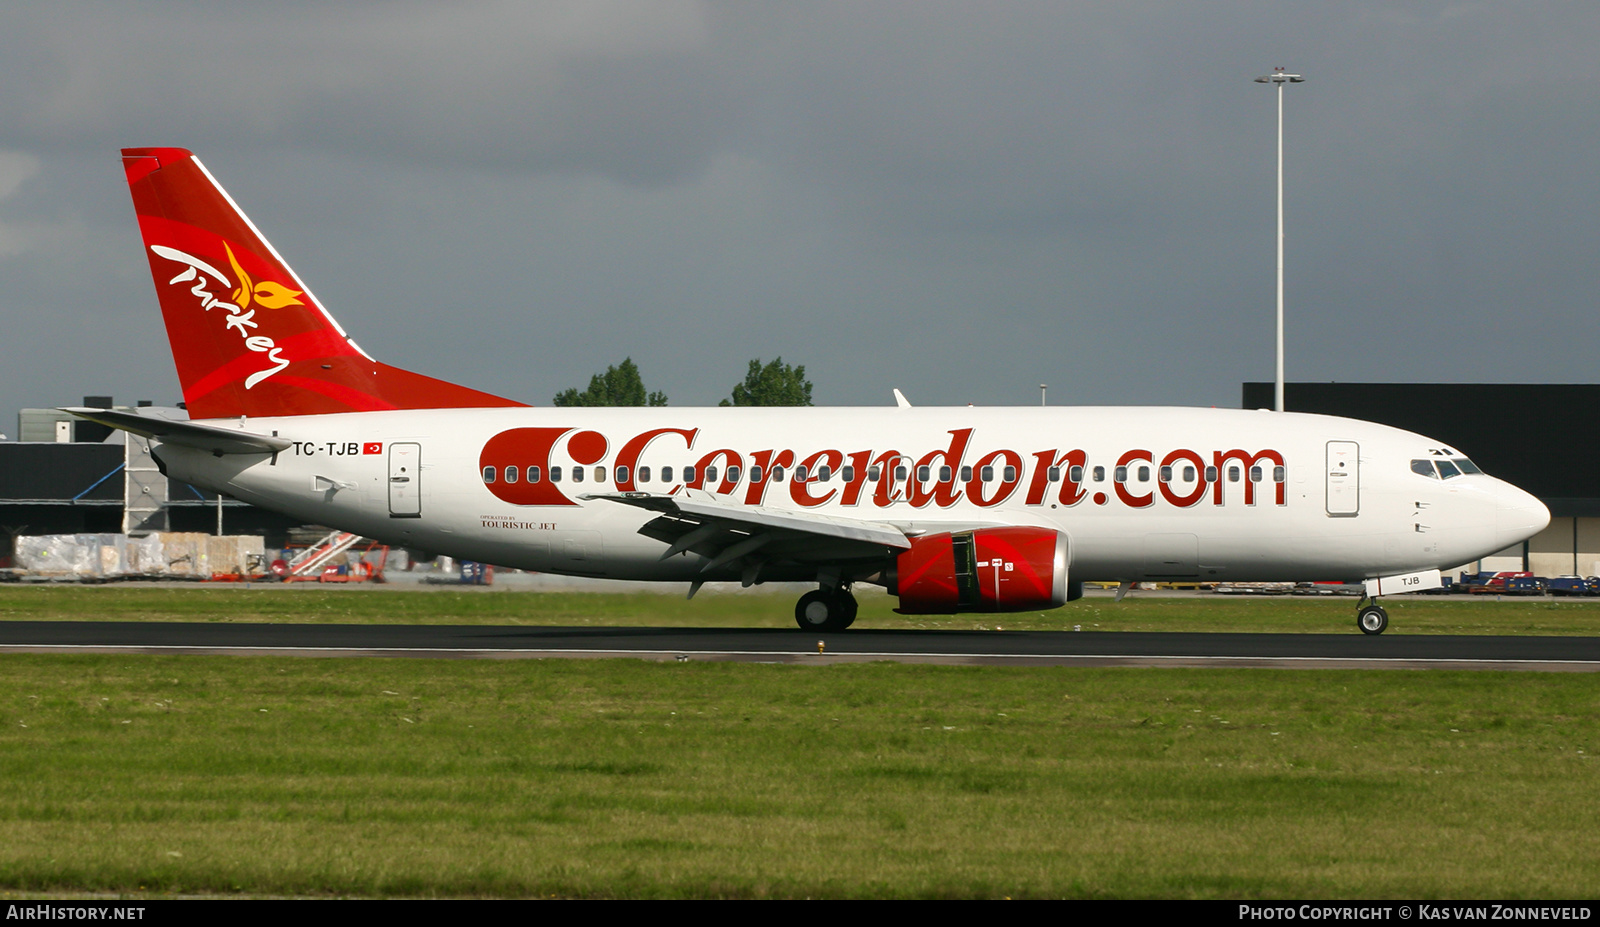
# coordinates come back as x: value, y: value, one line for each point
x: 247, y: 335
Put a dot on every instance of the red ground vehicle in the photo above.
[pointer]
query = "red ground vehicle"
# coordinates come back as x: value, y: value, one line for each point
x: 1505, y: 582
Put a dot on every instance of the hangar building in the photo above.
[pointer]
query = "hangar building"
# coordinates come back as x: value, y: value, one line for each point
x: 70, y: 476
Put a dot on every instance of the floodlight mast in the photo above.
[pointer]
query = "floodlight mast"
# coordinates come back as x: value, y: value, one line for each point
x: 1280, y: 78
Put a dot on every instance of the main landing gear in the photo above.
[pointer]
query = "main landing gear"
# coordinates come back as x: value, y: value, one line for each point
x: 1371, y: 618
x: 826, y: 609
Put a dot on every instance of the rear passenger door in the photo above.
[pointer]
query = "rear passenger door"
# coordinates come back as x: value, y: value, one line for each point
x: 405, y: 480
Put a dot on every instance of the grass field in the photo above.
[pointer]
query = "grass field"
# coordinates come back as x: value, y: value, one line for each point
x: 443, y: 605
x: 620, y: 778
x: 628, y: 779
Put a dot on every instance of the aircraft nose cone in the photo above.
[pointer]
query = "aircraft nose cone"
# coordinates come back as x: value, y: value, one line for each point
x: 1518, y: 516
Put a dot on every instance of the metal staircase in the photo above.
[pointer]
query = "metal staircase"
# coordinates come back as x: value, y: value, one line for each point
x: 309, y: 562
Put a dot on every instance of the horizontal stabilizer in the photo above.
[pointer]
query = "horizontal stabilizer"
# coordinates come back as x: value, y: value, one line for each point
x: 211, y: 438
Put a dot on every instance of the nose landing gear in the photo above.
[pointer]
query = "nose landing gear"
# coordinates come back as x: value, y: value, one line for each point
x: 826, y: 609
x: 1371, y: 618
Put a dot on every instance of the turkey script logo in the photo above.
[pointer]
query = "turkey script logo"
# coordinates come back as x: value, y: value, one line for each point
x: 248, y: 293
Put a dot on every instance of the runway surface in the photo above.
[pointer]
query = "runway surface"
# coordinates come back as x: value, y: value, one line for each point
x: 1016, y: 648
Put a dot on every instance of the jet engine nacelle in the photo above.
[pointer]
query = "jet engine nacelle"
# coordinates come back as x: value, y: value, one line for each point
x: 986, y: 570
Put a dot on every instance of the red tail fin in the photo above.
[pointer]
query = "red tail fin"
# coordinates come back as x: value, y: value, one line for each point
x: 247, y: 336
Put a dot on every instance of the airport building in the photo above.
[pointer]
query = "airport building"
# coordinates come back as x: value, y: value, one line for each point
x: 69, y: 476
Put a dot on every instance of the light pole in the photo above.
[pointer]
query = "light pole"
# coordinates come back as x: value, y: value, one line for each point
x: 1280, y: 78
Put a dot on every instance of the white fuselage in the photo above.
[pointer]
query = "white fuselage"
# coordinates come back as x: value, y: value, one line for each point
x: 1143, y: 493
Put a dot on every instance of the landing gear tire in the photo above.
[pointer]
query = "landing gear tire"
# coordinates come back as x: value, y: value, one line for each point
x: 825, y: 610
x: 1372, y: 619
x: 849, y: 608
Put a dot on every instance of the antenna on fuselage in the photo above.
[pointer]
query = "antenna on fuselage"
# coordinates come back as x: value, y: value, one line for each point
x: 901, y: 400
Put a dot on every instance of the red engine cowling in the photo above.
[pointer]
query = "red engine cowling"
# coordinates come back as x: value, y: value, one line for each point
x: 986, y: 570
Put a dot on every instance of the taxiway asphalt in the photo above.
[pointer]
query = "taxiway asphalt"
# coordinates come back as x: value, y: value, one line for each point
x: 1018, y: 648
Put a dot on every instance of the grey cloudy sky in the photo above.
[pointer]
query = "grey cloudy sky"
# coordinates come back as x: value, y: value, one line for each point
x: 962, y: 200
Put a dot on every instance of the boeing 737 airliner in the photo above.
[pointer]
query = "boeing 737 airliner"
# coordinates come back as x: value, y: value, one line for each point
x: 951, y: 509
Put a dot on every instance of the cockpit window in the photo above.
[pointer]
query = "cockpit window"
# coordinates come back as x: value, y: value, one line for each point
x: 1444, y: 469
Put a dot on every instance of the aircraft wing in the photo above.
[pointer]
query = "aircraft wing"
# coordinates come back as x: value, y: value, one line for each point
x: 752, y: 536
x: 218, y: 441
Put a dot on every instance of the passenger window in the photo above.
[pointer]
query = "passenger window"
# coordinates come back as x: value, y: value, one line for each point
x: 533, y: 474
x: 1166, y: 474
x: 1255, y: 474
x: 733, y: 474
x: 711, y: 474
x: 966, y: 474
x: 622, y: 474
x: 577, y: 474
x: 1053, y: 474
x: 555, y: 474
x: 944, y: 474
x: 1099, y: 474
x: 1009, y: 473
x: 1075, y: 474
x: 848, y: 474
x: 824, y: 472
x: 1211, y: 474
x: 1144, y: 474
x: 987, y: 473
x: 800, y: 473
x: 777, y: 474
x: 755, y: 473
x: 488, y: 474
x: 873, y: 473
x: 511, y: 474
x: 688, y: 474
x: 1188, y: 474
x: 599, y: 474
x: 644, y: 474
x: 1122, y: 474
x: 1279, y: 474
x: 899, y: 473
x: 1233, y: 474
x: 922, y: 474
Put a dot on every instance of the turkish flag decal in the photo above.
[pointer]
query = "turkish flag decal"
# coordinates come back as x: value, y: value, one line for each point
x: 372, y: 447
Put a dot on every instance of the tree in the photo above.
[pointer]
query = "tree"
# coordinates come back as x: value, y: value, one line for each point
x: 618, y: 386
x: 776, y: 384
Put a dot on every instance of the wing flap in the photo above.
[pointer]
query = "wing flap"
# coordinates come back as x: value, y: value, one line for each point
x: 746, y: 538
x: 754, y: 519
